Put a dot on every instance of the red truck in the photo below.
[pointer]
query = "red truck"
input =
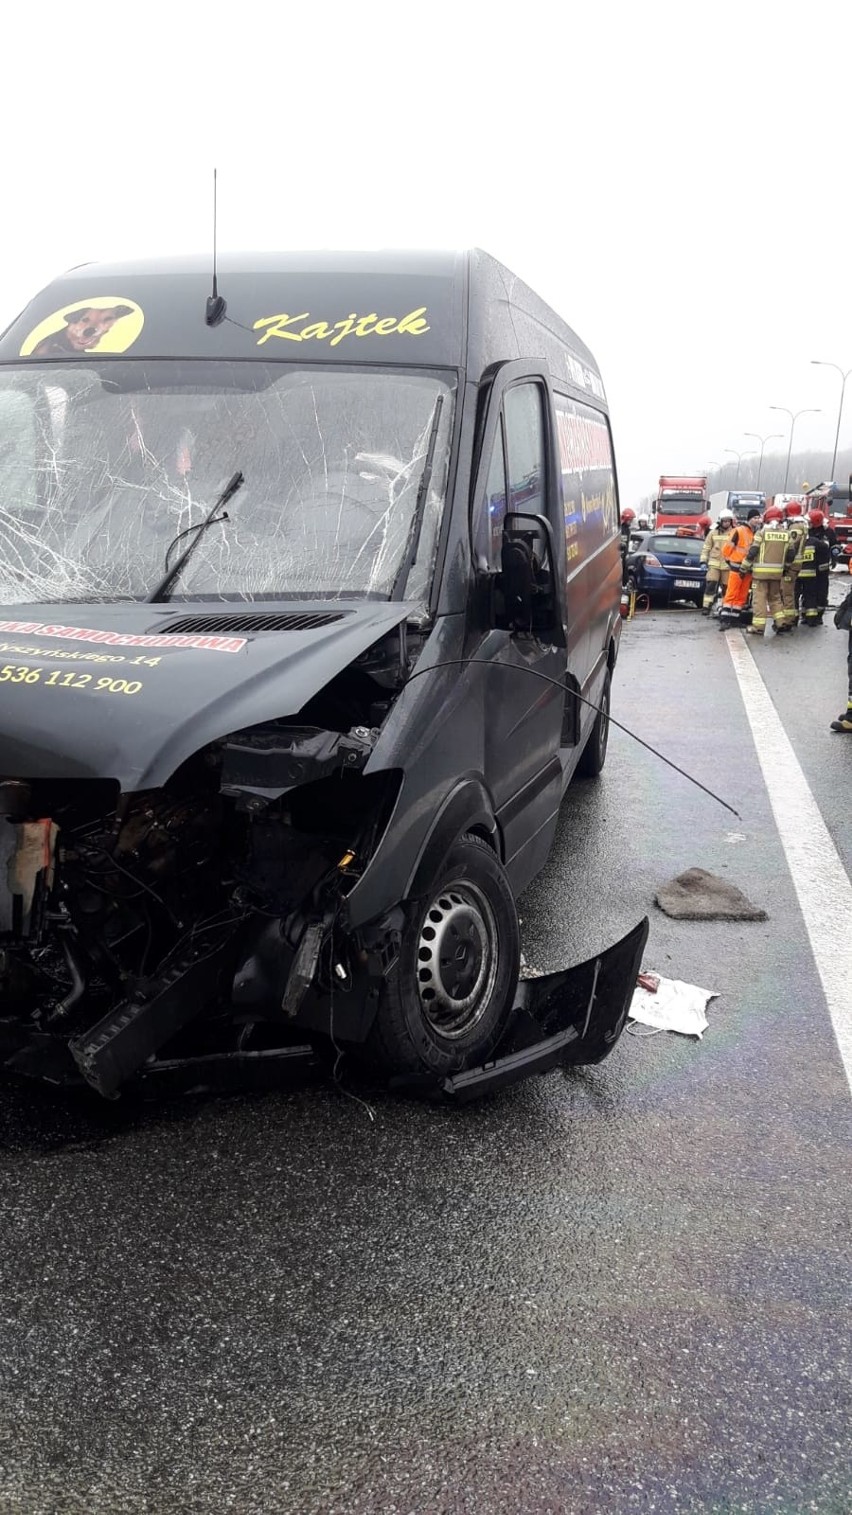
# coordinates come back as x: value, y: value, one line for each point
x: 837, y: 504
x: 681, y: 500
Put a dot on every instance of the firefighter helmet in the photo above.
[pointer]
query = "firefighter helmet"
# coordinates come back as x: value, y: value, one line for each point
x: 794, y: 508
x: 773, y: 513
x: 705, y: 523
x: 726, y: 515
x: 816, y: 517
x: 627, y: 515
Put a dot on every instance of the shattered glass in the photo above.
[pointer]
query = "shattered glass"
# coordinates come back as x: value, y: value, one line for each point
x: 103, y: 464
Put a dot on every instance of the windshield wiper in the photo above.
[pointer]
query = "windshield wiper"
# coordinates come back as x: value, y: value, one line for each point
x: 410, y: 555
x: 162, y: 590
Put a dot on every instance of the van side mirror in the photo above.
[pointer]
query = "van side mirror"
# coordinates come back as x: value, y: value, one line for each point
x: 517, y: 579
x: 526, y: 588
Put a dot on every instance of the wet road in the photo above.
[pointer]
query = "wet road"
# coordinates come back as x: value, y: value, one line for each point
x: 620, y: 1289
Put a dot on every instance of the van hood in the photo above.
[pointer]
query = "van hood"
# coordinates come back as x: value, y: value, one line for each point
x: 130, y: 691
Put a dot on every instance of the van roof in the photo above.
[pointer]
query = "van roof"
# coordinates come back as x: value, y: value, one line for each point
x: 424, y: 308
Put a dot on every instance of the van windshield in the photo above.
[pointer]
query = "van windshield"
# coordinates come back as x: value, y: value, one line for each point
x: 103, y: 464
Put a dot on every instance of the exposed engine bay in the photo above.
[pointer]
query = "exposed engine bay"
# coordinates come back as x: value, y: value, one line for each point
x: 121, y: 915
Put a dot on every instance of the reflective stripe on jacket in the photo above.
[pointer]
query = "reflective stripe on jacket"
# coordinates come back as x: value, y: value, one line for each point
x: 711, y: 552
x: 798, y: 535
x: 738, y: 544
x: 770, y: 552
x: 817, y: 557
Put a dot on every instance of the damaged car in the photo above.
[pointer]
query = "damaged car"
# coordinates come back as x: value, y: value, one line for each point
x: 309, y: 611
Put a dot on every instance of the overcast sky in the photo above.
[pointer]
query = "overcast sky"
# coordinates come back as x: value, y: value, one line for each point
x: 677, y: 188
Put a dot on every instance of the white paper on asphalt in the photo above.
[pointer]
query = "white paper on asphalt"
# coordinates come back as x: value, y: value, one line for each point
x: 674, y: 1006
x: 816, y: 870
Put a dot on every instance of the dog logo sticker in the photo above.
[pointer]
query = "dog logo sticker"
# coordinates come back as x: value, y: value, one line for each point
x: 106, y: 324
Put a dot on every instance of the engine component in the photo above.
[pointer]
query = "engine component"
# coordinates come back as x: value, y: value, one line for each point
x: 268, y: 762
x: 27, y: 853
x: 111, y: 1051
x: 303, y: 969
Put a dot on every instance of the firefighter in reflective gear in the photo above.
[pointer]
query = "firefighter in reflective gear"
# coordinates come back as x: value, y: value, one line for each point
x: 627, y: 518
x: 768, y: 558
x: 798, y: 529
x: 711, y: 554
x: 843, y: 622
x: 739, y: 579
x: 813, y: 575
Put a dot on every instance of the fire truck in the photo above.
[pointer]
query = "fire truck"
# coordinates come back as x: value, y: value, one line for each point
x: 681, y: 500
x: 837, y: 504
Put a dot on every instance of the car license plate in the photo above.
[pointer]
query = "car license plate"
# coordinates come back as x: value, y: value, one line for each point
x: 685, y: 583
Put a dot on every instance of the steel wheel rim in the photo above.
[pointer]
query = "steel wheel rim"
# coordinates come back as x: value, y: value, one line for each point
x: 457, y: 959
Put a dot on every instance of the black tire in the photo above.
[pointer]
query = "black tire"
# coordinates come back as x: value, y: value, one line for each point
x: 593, y: 755
x: 424, y: 1023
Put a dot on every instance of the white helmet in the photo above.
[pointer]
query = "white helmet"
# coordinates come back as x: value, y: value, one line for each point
x: 726, y: 515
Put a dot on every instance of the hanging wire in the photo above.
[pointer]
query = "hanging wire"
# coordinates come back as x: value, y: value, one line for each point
x: 558, y: 684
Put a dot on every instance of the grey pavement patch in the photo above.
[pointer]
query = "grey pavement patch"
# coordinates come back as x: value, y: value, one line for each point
x: 697, y: 895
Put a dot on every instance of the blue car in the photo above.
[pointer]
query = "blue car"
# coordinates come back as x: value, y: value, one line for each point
x: 667, y: 567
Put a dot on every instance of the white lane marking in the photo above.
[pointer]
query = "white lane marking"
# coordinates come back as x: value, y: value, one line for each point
x: 819, y: 878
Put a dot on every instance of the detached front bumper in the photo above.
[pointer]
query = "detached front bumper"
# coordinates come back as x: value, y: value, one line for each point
x: 573, y: 1017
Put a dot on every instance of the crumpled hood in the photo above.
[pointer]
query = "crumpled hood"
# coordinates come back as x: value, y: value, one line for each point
x: 112, y: 691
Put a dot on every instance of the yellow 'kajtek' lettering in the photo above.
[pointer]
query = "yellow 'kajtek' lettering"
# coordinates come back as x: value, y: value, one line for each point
x: 286, y: 327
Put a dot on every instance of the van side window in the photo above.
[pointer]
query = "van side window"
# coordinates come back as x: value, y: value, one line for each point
x: 525, y: 447
x: 491, y: 511
x: 589, y: 500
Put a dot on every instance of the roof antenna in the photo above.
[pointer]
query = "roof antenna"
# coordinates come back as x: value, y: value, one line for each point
x: 216, y: 304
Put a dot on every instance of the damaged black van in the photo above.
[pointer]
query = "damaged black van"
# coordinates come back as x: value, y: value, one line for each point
x: 309, y: 610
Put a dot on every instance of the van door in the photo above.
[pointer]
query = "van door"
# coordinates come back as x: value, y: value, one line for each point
x: 523, y: 714
x: 592, y: 552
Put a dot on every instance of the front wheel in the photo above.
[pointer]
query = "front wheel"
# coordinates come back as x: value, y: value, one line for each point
x: 593, y: 755
x: 446, y: 1001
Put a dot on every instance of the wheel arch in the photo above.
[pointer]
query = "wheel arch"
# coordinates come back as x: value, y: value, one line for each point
x: 467, y: 808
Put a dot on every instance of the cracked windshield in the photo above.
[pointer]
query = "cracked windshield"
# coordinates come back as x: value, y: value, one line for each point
x: 103, y: 466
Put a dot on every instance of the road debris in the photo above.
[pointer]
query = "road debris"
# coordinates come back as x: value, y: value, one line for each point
x: 697, y: 895
x: 671, y: 1006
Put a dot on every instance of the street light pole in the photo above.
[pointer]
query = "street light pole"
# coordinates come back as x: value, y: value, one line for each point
x: 793, y: 420
x: 739, y: 457
x: 763, y: 441
x: 844, y: 376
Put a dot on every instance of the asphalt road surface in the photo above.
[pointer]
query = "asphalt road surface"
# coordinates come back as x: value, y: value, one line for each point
x: 619, y: 1289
